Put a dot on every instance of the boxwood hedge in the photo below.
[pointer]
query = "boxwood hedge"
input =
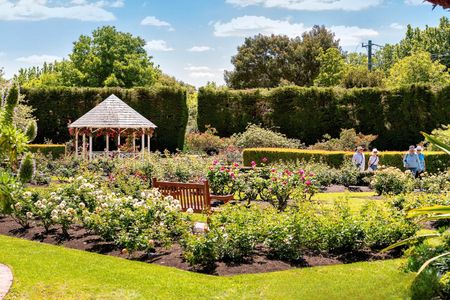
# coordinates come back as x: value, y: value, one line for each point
x: 435, y: 161
x: 165, y: 106
x: 55, y: 150
x: 307, y: 113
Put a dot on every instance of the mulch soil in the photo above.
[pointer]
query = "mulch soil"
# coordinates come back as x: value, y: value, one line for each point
x: 81, y: 239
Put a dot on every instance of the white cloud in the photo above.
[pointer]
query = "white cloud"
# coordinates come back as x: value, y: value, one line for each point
x: 397, y: 26
x: 310, y: 5
x: 36, y: 10
x: 153, y: 21
x: 252, y: 25
x: 198, y: 75
x: 117, y: 3
x: 197, y: 68
x: 157, y: 45
x: 38, y: 59
x: 416, y: 2
x: 200, y: 49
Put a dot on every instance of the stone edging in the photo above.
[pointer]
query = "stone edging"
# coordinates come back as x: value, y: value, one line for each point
x: 6, y: 279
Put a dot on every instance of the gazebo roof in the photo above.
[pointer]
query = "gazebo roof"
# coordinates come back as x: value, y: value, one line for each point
x: 112, y: 113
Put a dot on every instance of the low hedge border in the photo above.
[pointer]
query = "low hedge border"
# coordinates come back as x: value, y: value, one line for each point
x: 55, y: 150
x: 435, y: 161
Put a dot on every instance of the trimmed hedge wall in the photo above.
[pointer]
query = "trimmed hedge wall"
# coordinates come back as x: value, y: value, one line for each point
x: 55, y: 150
x: 434, y: 161
x: 307, y: 113
x: 164, y: 106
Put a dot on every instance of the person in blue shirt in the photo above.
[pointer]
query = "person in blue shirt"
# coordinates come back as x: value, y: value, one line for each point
x: 359, y: 160
x: 411, y: 161
x: 419, y: 152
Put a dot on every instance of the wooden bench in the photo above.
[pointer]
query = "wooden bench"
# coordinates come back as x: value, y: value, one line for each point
x: 190, y: 195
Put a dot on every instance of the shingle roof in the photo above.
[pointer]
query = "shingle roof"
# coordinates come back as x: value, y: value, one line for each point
x: 112, y: 113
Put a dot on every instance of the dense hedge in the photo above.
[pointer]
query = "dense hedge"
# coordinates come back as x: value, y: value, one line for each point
x: 396, y: 116
x: 164, y: 106
x: 55, y: 150
x: 435, y: 161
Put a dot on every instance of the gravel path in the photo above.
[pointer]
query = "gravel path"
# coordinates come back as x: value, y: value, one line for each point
x: 6, y: 279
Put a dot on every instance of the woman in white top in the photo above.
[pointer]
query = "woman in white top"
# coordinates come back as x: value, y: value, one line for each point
x: 373, y: 161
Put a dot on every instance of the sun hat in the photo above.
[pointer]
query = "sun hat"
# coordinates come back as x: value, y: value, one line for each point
x: 412, y: 147
x: 374, y: 150
x: 359, y: 148
x: 419, y: 148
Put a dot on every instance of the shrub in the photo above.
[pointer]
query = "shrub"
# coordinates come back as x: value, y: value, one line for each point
x: 256, y: 136
x: 435, y: 161
x: 164, y: 106
x: 434, y: 183
x: 307, y: 113
x: 392, y: 181
x: 348, y: 141
x: 55, y: 150
x: 208, y: 141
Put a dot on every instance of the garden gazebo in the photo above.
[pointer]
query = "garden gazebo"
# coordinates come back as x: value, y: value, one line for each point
x: 112, y: 118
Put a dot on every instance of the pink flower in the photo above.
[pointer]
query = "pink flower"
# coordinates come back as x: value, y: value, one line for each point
x: 215, y: 162
x: 312, y: 174
x: 232, y: 175
x: 308, y: 182
x: 264, y: 159
x: 222, y: 168
x: 235, y: 165
x: 273, y: 170
x: 253, y: 164
x: 301, y: 172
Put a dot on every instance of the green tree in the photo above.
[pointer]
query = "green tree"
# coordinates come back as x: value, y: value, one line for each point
x: 417, y: 68
x: 270, y: 61
x: 435, y: 40
x: 332, y: 66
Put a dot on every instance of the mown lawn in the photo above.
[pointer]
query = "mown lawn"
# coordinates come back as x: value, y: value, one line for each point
x: 49, y: 272
x: 356, y: 200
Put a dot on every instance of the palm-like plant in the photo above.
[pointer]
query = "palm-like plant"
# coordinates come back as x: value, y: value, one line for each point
x: 431, y: 213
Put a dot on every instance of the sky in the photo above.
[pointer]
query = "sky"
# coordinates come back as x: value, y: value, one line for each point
x: 195, y: 40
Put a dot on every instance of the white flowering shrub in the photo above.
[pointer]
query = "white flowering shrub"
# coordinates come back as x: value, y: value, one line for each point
x: 21, y: 209
x: 137, y: 223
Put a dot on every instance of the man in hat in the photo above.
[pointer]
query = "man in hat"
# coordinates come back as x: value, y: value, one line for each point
x: 411, y: 161
x: 359, y: 159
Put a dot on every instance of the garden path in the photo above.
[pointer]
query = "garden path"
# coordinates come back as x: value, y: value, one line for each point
x: 6, y: 279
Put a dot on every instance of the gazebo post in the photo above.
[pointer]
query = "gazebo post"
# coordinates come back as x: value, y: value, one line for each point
x: 148, y: 142
x: 84, y: 146
x: 76, y: 142
x: 134, y: 144
x: 118, y: 140
x: 107, y: 143
x: 90, y: 146
x: 143, y: 142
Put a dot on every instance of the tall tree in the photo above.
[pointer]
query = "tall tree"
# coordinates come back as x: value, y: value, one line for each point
x: 417, y: 68
x: 268, y: 61
x: 332, y: 67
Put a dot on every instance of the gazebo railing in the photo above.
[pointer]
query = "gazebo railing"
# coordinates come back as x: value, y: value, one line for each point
x: 114, y: 154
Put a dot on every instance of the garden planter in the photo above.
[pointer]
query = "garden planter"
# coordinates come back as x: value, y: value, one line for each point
x: 222, y: 198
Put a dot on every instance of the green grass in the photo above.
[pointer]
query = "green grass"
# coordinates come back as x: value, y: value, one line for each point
x: 356, y: 200
x: 50, y: 272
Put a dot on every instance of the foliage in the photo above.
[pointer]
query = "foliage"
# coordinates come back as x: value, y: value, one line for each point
x: 55, y: 150
x: 221, y: 178
x: 208, y: 141
x: 435, y: 40
x: 357, y: 76
x: 107, y: 58
x: 10, y: 187
x: 348, y: 141
x: 164, y: 106
x: 316, y: 111
x: 392, y: 181
x: 442, y: 134
x: 268, y: 61
x: 256, y: 136
x: 415, y: 69
x: 332, y: 66
x: 435, y: 161
x: 27, y: 168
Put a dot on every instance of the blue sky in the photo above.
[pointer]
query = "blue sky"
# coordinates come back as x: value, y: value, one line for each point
x: 194, y: 40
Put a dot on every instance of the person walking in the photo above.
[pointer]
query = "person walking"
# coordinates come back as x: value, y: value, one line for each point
x: 359, y: 160
x: 419, y: 151
x: 411, y: 161
x: 374, y: 159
